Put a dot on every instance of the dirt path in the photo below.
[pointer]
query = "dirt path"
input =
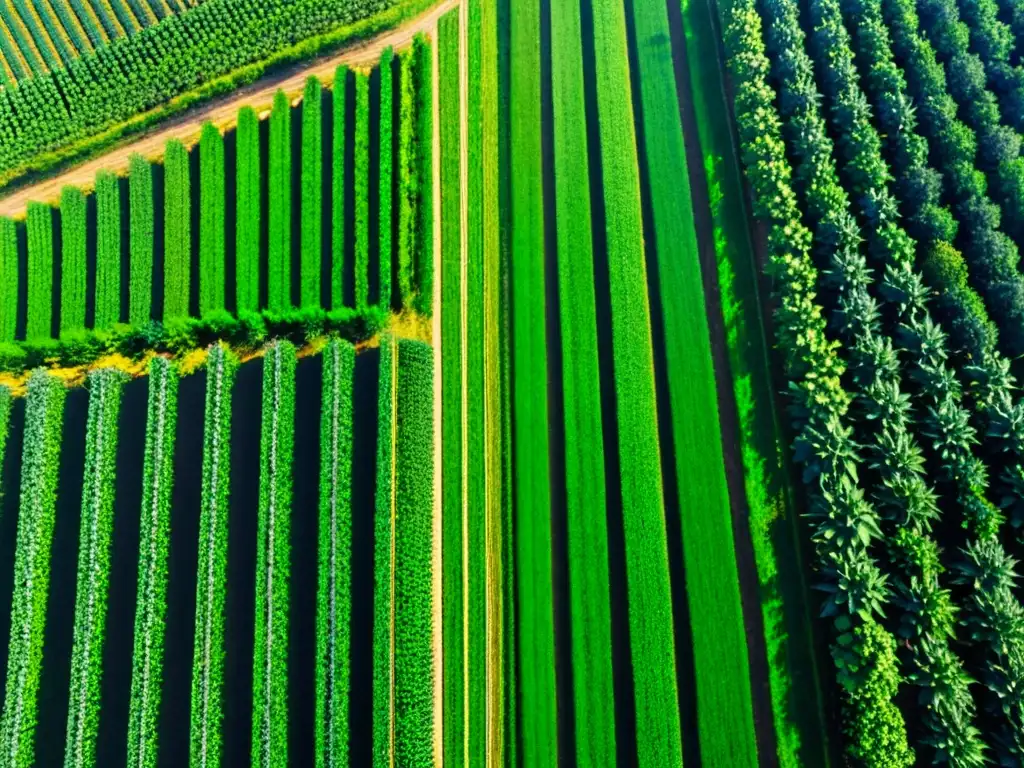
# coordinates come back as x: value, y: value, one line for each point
x: 223, y: 112
x: 436, y: 341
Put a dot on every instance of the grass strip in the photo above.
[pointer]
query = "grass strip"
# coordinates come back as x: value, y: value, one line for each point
x: 532, y: 483
x: 247, y: 211
x: 91, y: 592
x: 383, y: 735
x: 452, y: 443
x: 386, y: 168
x: 177, y: 230
x: 312, y: 176
x: 587, y: 531
x: 40, y: 469
x: 141, y: 232
x: 108, y: 250
x: 73, y: 238
x: 279, y: 183
x: 211, y: 220
x: 9, y: 285
x: 207, y: 711
x: 724, y: 706
x: 334, y: 589
x: 340, y: 132
x: 154, y: 550
x: 659, y: 741
x: 423, y: 253
x: 795, y: 690
x: 413, y: 555
x: 362, y: 190
x: 408, y: 176
x: 270, y: 662
x: 39, y: 226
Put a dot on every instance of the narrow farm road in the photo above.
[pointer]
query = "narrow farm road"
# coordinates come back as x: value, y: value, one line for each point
x: 222, y: 112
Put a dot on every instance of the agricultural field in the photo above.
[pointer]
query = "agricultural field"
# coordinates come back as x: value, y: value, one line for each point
x: 547, y: 382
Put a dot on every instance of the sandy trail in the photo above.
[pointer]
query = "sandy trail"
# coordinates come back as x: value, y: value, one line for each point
x: 223, y: 112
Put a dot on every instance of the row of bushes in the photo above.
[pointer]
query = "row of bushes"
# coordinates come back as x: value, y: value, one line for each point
x: 273, y: 553
x: 94, y: 552
x: 154, y: 551
x: 40, y: 463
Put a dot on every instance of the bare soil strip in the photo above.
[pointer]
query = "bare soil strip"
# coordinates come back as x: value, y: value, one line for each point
x: 222, y: 112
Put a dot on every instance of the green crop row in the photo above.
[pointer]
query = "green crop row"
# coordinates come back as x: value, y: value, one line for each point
x: 94, y: 543
x: 408, y: 176
x: 452, y: 449
x: 108, y: 250
x: 334, y: 590
x: 587, y: 532
x: 279, y: 183
x: 39, y: 228
x: 412, y: 566
x: 247, y: 211
x: 72, y: 259
x: 342, y: 77
x: 361, y: 162
x: 312, y: 187
x: 140, y: 241
x: 9, y: 285
x: 386, y: 167
x: 384, y: 559
x: 211, y: 220
x: 177, y: 230
x: 44, y: 412
x: 423, y: 246
x: 207, y: 709
x: 270, y: 659
x: 154, y: 549
x: 538, y: 718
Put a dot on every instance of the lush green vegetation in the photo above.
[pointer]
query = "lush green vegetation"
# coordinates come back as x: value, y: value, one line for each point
x: 386, y: 165
x: 342, y: 79
x: 312, y: 184
x: 207, y: 711
x: 270, y: 661
x: 279, y: 214
x: 94, y: 545
x: 247, y: 211
x: 384, y: 558
x: 73, y: 269
x: 177, y: 231
x: 154, y: 546
x: 40, y: 461
x: 140, y: 256
x: 9, y: 285
x: 211, y: 220
x: 39, y: 228
x: 334, y: 591
x: 108, y: 251
x: 586, y: 511
x: 361, y: 191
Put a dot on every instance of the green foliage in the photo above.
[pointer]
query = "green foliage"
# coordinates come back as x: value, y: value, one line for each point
x: 587, y: 532
x: 72, y: 259
x: 408, y: 176
x: 9, y: 285
x: 177, y: 231
x: 279, y: 182
x: 423, y: 247
x: 312, y: 184
x: 273, y: 550
x: 334, y: 586
x: 154, y: 549
x: 247, y: 211
x: 108, y: 250
x: 141, y: 232
x: 39, y: 225
x: 211, y: 220
x: 413, y: 552
x: 386, y: 168
x: 384, y: 519
x: 94, y: 543
x: 362, y: 190
x: 40, y: 463
x: 342, y: 77
x: 207, y: 710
